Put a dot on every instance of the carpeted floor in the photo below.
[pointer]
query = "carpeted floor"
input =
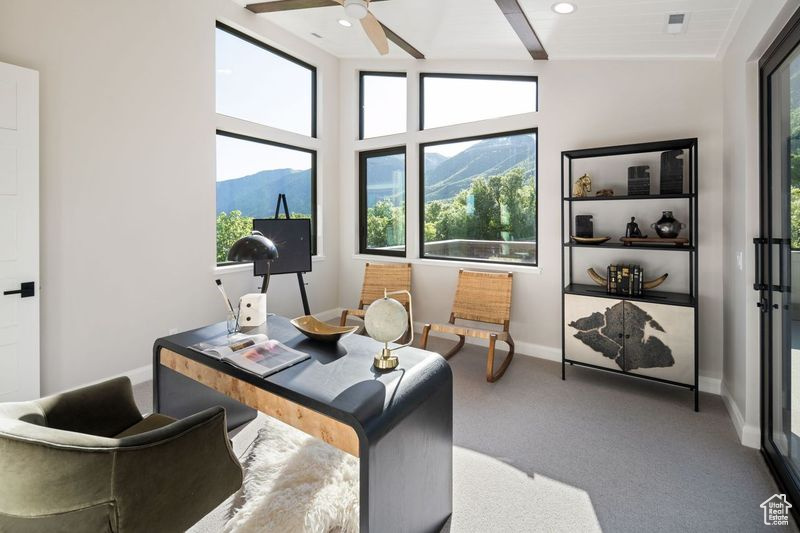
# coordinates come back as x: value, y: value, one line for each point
x: 541, y: 454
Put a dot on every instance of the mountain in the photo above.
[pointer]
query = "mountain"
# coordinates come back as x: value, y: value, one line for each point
x: 383, y: 171
x: 487, y: 158
x: 433, y: 160
x: 256, y: 195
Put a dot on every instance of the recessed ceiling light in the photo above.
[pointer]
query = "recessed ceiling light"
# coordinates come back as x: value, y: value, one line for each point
x: 563, y: 8
x: 346, y: 23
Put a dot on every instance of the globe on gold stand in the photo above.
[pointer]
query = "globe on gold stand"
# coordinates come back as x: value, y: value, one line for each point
x: 386, y: 321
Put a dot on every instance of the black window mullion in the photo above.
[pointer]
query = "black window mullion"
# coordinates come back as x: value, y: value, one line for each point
x: 363, y: 178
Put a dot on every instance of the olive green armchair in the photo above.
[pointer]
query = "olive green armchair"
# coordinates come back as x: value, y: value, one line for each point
x: 87, y: 460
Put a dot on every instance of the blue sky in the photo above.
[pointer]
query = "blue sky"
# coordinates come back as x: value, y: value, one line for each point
x: 255, y: 85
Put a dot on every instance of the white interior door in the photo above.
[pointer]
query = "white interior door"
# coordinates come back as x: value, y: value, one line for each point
x: 19, y: 233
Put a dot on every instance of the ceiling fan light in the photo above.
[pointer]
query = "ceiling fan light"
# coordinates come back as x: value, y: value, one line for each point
x: 563, y: 8
x: 346, y: 23
x: 356, y: 9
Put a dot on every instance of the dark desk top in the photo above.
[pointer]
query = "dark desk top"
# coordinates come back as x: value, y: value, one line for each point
x: 339, y: 380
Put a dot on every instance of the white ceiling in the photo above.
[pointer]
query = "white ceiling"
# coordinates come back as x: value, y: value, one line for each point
x: 476, y: 29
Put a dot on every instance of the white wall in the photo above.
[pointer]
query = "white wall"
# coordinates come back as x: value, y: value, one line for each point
x: 582, y: 104
x: 740, y: 387
x: 127, y: 175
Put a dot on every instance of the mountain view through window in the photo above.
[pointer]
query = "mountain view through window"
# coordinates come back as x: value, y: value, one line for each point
x: 480, y: 199
x: 250, y: 175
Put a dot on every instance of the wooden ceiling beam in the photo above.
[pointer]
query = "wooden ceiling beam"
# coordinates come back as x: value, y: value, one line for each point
x: 291, y: 5
x: 522, y: 26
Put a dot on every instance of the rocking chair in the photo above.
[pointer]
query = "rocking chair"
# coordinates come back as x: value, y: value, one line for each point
x: 480, y: 297
x: 377, y: 277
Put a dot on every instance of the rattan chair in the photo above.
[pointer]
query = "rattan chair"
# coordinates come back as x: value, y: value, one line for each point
x: 480, y: 297
x: 377, y: 277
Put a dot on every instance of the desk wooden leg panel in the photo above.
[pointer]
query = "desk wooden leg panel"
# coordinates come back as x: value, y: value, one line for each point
x: 407, y: 475
x: 311, y: 422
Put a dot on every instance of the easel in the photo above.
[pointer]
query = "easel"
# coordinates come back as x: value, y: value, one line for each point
x: 300, y: 281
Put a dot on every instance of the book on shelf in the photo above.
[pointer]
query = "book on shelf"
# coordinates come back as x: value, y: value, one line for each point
x: 257, y: 354
x: 625, y: 280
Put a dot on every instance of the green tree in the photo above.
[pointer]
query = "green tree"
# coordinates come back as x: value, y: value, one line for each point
x: 385, y: 225
x: 230, y: 228
x: 494, y: 208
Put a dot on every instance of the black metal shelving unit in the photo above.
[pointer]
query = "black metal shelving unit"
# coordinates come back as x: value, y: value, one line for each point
x: 569, y: 248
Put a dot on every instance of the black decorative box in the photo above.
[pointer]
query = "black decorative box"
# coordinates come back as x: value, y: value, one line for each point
x: 639, y: 181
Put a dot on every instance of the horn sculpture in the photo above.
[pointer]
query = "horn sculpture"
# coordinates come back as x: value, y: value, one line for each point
x: 600, y: 280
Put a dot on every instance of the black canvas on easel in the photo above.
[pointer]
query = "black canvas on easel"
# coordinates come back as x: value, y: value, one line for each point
x: 298, y: 259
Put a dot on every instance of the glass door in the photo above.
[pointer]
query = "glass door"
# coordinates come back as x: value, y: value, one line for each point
x: 778, y: 257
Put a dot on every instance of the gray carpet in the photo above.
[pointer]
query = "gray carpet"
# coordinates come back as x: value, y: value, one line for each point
x: 633, y: 454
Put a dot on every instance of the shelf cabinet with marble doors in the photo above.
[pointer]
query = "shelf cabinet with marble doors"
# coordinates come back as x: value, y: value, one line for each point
x: 652, y: 332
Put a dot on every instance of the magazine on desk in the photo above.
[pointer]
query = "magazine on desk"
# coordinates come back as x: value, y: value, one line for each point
x: 255, y: 353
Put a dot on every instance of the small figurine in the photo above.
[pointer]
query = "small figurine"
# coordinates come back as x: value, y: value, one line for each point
x: 632, y: 229
x: 605, y: 192
x: 582, y: 186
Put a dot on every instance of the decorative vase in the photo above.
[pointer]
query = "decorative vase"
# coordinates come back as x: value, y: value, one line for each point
x: 667, y: 227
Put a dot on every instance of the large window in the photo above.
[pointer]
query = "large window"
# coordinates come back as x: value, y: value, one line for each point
x: 383, y: 202
x: 479, y: 198
x: 383, y: 104
x: 260, y: 84
x: 448, y: 99
x: 250, y: 175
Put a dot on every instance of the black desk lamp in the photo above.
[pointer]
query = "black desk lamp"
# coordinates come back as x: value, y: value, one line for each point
x: 252, y: 248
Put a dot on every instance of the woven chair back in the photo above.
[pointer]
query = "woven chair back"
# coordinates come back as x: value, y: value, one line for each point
x: 378, y: 276
x: 483, y: 297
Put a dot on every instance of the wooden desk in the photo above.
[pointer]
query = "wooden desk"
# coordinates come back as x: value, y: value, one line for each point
x: 399, y: 424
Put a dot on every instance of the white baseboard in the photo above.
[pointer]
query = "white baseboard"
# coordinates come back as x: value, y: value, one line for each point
x: 709, y: 385
x: 749, y: 435
x: 529, y: 349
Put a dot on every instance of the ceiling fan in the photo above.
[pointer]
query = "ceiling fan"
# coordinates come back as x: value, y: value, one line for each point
x: 378, y: 33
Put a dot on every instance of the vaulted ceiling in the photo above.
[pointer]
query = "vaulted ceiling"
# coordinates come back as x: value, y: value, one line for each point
x: 477, y: 29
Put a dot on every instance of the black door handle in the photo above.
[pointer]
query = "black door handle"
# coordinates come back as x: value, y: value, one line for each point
x: 759, y: 285
x: 26, y: 290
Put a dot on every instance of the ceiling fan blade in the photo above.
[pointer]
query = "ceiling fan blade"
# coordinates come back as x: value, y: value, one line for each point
x: 375, y: 33
x: 289, y: 5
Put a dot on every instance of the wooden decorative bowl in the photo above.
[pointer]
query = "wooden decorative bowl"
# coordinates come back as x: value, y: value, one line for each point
x: 315, y: 329
x: 590, y: 240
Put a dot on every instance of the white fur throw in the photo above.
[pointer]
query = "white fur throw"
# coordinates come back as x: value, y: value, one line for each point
x: 295, y: 483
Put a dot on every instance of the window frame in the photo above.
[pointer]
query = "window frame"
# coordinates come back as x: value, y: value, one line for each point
x: 423, y: 146
x: 387, y: 74
x: 280, y: 53
x: 362, y: 200
x: 493, y: 77
x: 313, y: 170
